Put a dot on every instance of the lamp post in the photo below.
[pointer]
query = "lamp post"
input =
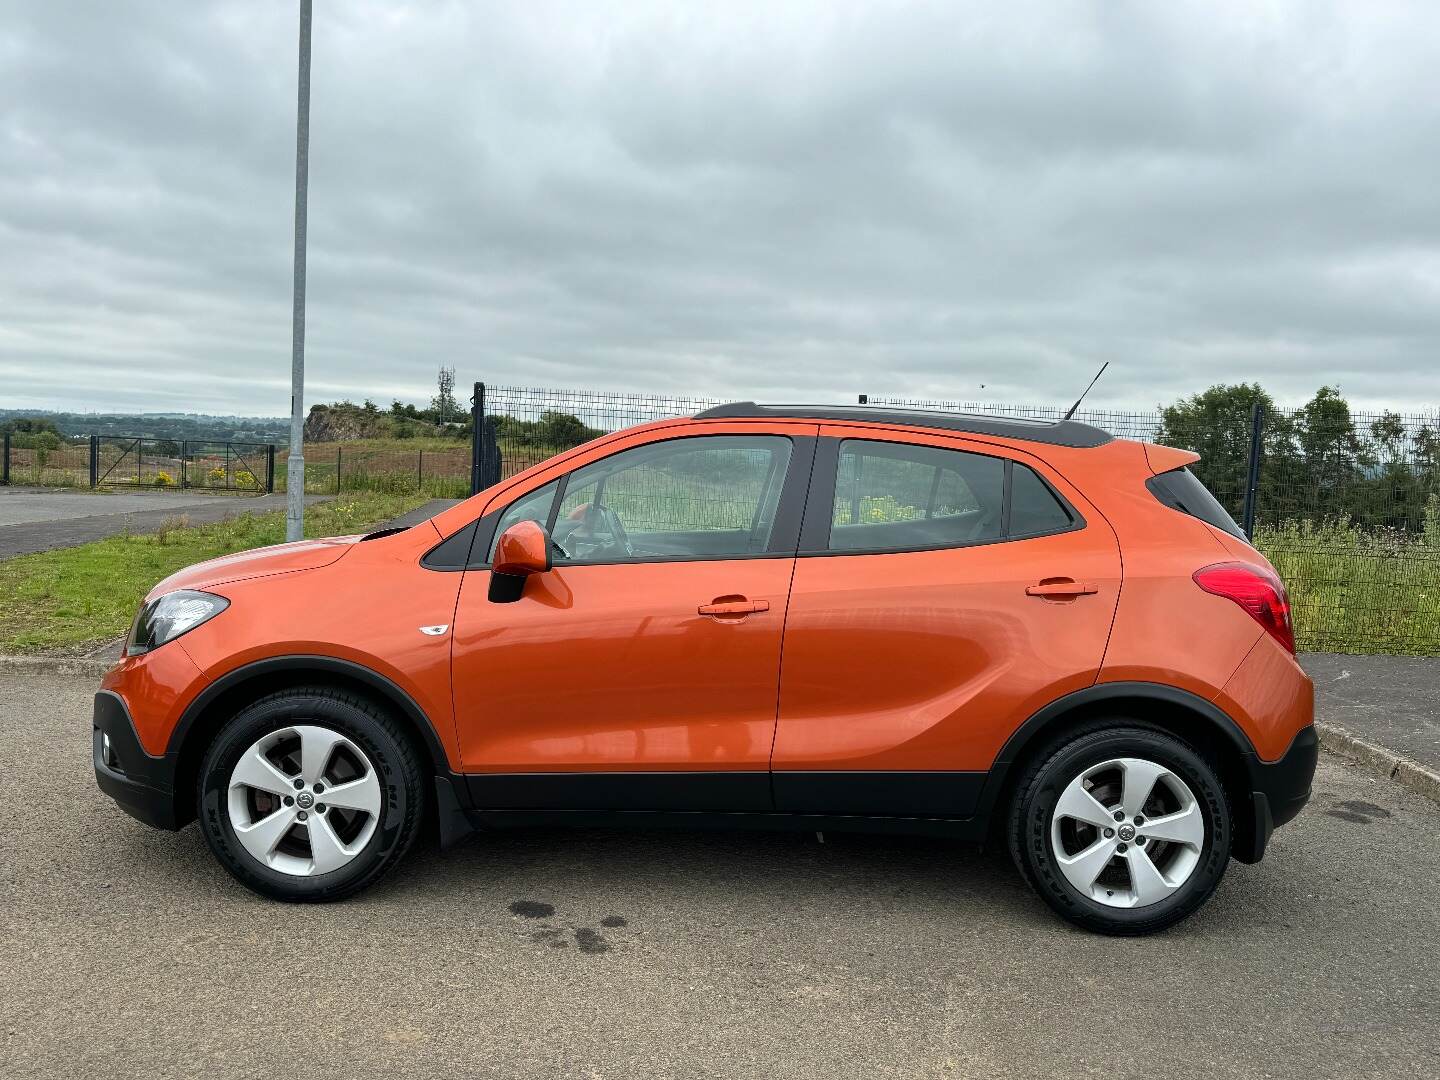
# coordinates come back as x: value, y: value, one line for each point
x: 295, y: 473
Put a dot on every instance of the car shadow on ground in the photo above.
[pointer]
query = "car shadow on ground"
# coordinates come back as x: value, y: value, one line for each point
x: 754, y: 876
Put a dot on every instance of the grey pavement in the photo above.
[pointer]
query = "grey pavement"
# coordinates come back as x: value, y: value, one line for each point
x: 34, y: 520
x: 1390, y: 701
x: 125, y: 951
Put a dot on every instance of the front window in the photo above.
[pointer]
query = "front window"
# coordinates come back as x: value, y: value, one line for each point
x: 712, y: 496
x: 533, y: 507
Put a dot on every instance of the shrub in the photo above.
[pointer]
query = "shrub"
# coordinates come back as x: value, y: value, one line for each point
x: 169, y: 526
x: 163, y: 479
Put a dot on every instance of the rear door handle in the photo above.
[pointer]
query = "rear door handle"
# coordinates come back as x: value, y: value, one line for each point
x: 1062, y: 588
x: 733, y: 607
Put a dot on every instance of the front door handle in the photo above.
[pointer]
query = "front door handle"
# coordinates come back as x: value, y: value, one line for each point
x: 733, y: 606
x: 1057, y: 587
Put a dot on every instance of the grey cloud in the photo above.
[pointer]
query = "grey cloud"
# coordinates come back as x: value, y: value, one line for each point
x: 800, y: 200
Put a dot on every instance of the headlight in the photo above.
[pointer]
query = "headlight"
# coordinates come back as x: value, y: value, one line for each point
x: 167, y: 617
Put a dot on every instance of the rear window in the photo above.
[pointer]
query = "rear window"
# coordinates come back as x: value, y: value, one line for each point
x: 903, y: 496
x: 1181, y: 490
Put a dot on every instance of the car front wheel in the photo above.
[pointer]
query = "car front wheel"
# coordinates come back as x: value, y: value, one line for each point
x: 310, y: 795
x: 1121, y: 830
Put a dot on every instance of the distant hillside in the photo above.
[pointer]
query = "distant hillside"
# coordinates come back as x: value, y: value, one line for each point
x: 169, y: 425
x: 333, y: 422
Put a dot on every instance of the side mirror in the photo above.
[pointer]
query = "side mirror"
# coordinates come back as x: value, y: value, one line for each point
x: 523, y: 549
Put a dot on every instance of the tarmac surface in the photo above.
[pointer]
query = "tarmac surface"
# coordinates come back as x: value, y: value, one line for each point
x: 1390, y: 701
x: 33, y: 519
x: 125, y: 951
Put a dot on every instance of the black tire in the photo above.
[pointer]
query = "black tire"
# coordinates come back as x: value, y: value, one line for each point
x: 1049, y: 772
x: 374, y: 732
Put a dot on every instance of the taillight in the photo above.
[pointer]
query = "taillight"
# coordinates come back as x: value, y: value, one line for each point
x: 1258, y: 590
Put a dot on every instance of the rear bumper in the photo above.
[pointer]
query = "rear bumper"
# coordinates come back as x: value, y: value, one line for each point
x: 142, y: 785
x: 1279, y: 790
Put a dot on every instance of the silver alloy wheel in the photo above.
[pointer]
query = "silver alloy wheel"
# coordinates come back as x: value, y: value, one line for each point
x: 1127, y: 832
x: 304, y: 800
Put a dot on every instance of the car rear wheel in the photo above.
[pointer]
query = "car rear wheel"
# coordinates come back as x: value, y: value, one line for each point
x: 310, y: 795
x: 1121, y: 830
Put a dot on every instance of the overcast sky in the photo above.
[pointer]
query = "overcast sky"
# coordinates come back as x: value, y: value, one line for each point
x: 779, y: 200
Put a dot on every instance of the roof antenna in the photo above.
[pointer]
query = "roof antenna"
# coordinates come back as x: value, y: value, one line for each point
x: 1081, y: 398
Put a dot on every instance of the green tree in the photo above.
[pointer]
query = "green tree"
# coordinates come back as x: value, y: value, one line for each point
x: 562, y: 431
x: 33, y: 433
x: 1216, y: 425
x: 1336, y: 461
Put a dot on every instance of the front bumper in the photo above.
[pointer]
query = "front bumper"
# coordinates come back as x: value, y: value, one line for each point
x: 144, y: 786
x: 1279, y: 790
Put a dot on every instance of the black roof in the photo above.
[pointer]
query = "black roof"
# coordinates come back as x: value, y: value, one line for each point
x: 1054, y: 432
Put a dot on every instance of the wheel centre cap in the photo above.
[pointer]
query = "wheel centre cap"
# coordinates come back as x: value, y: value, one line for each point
x: 304, y: 800
x: 1126, y: 832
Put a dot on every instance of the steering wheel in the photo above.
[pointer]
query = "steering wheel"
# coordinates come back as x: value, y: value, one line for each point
x: 596, y: 530
x: 618, y: 536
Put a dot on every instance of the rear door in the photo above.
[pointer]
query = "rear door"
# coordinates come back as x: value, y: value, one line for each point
x: 945, y: 590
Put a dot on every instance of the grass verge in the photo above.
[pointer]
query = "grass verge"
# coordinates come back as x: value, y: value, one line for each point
x: 59, y: 601
x: 1359, y: 591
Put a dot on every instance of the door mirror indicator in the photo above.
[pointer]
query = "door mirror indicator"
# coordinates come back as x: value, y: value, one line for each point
x: 523, y: 549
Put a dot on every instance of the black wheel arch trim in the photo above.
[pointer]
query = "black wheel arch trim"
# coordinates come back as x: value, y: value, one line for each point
x: 1022, y: 736
x: 324, y: 665
x: 1286, y: 781
x: 1026, y: 735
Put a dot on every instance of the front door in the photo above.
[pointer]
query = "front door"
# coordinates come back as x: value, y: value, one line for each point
x: 641, y: 672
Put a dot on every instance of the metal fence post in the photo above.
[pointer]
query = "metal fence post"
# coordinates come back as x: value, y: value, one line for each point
x: 94, y: 460
x: 269, y: 468
x: 184, y: 464
x: 337, y: 470
x: 1252, y: 482
x: 477, y: 436
x: 420, y: 472
x: 5, y: 467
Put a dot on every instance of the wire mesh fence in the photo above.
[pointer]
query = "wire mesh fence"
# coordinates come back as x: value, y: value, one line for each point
x: 529, y: 424
x: 439, y: 471
x: 39, y: 463
x: 135, y: 461
x: 146, y: 462
x: 1346, y: 505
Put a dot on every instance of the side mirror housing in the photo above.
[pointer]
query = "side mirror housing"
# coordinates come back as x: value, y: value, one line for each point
x: 523, y: 549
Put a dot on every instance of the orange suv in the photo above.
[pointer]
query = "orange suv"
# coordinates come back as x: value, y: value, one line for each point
x: 806, y: 618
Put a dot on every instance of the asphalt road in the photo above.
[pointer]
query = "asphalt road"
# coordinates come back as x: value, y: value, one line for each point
x: 1386, y: 700
x: 34, y: 520
x: 21, y: 506
x: 127, y: 952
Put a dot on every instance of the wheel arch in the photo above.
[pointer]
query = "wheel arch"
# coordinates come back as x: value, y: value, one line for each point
x: 198, y: 724
x: 1202, y: 724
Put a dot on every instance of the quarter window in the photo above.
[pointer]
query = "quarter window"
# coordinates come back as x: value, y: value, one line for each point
x: 1034, y: 509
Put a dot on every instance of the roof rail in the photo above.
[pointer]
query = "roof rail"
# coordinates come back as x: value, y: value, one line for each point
x: 1053, y: 432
